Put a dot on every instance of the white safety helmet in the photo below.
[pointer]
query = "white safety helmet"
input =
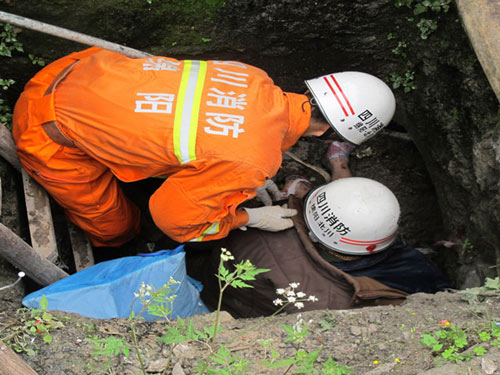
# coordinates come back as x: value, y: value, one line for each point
x: 356, y: 105
x: 353, y: 215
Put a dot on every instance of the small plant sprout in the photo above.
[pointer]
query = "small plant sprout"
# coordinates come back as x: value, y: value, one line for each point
x: 244, y: 271
x: 33, y: 324
x: 20, y: 275
x: 156, y: 302
x: 452, y: 341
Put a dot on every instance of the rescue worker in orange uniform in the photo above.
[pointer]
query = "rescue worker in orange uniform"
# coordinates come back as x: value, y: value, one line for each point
x: 215, y: 129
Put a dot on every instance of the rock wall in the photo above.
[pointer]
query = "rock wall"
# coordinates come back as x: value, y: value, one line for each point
x: 444, y: 100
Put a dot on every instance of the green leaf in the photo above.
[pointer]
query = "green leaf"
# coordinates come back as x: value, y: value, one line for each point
x: 274, y: 354
x: 251, y: 273
x: 419, y: 9
x: 428, y: 340
x: 240, y: 284
x: 437, y: 347
x: 223, y: 271
x: 484, y: 336
x: 493, y: 284
x: 47, y: 316
x: 126, y: 351
x: 282, y: 363
x: 461, y: 340
x: 44, y: 303
x: 480, y: 351
x: 47, y: 338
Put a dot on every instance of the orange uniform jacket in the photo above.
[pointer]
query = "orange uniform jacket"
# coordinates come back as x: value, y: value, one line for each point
x: 215, y: 129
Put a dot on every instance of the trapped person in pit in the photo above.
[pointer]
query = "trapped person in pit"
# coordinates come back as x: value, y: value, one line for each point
x: 344, y: 250
x: 215, y: 130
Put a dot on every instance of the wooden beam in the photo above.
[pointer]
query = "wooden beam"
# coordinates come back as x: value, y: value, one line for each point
x: 481, y: 20
x: 8, y: 147
x: 12, y: 364
x: 82, y: 249
x: 42, y: 233
x: 60, y: 32
x: 43, y: 238
x: 23, y: 257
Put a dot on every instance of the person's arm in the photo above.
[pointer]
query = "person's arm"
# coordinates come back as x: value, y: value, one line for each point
x: 201, y: 205
x: 338, y: 158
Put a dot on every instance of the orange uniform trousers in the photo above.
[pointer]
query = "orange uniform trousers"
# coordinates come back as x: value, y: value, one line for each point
x: 101, y: 210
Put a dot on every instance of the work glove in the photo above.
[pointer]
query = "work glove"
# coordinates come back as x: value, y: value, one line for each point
x: 270, y: 218
x: 268, y: 193
x: 339, y: 149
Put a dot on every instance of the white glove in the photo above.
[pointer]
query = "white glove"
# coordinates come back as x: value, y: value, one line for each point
x: 268, y: 193
x: 270, y: 218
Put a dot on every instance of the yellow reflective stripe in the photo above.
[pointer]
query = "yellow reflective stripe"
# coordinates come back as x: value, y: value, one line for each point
x: 212, y: 229
x: 187, y: 110
x: 196, y: 109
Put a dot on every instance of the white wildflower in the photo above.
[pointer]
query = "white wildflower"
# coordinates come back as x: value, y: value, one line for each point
x: 292, y: 299
x: 301, y: 294
x: 297, y: 327
x: 278, y: 302
x: 172, y: 281
x: 312, y: 299
x: 280, y: 291
x: 294, y: 285
x: 136, y: 295
x: 290, y: 293
x: 299, y: 305
x: 226, y: 254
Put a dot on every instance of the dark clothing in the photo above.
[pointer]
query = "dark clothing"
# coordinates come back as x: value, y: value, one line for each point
x: 292, y: 257
x: 401, y: 267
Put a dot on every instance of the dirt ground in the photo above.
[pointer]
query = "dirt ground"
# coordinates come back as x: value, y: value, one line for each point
x: 374, y: 340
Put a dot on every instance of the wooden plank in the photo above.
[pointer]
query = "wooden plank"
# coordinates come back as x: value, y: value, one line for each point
x: 8, y: 147
x: 82, y: 249
x: 39, y: 215
x: 42, y: 233
x: 25, y: 258
x: 12, y: 364
x: 481, y: 20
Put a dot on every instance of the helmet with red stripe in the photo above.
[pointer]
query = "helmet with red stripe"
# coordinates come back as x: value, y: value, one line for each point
x: 356, y: 105
x: 353, y: 215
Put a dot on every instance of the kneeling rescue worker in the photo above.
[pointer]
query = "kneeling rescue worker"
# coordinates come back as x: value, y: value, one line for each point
x: 215, y: 130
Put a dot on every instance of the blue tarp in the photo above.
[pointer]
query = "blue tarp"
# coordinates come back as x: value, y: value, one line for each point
x: 106, y: 290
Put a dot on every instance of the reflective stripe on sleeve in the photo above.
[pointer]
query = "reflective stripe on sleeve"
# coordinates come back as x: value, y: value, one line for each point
x: 212, y: 229
x: 187, y: 110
